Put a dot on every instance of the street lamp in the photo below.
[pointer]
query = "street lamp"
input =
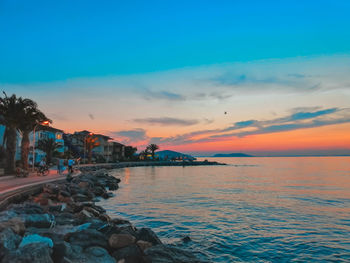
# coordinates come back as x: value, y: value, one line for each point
x: 47, y: 122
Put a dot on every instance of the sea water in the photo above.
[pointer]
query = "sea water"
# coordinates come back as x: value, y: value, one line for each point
x: 252, y: 210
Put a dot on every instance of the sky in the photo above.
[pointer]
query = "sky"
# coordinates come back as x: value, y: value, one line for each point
x: 201, y: 77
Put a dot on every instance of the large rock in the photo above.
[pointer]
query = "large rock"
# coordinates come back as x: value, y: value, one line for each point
x: 9, y: 239
x: 16, y: 224
x: 26, y: 208
x: 168, y: 254
x: 130, y: 254
x: 87, y: 238
x: 121, y: 240
x: 35, y: 252
x: 35, y: 239
x: 98, y: 254
x: 146, y: 234
x: 38, y: 220
x: 144, y: 244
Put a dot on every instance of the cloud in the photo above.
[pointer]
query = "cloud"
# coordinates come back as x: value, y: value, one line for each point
x: 163, y: 94
x: 301, y: 119
x: 130, y: 136
x: 167, y: 121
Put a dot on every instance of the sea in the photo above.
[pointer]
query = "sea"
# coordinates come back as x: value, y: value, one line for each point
x: 271, y: 209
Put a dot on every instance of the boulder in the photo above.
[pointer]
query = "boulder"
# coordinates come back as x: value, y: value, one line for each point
x: 16, y: 224
x: 130, y: 254
x: 84, y: 185
x: 80, y: 198
x: 143, y: 245
x: 38, y: 220
x: 98, y: 254
x: 35, y: 252
x: 9, y: 239
x: 146, y: 234
x: 26, y: 208
x: 121, y: 240
x: 87, y: 238
x: 35, y: 239
x: 168, y: 254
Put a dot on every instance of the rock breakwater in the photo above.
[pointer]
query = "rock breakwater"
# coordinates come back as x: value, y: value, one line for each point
x: 64, y: 224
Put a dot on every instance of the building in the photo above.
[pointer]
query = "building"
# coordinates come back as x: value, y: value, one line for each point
x: 42, y: 132
x: 106, y: 151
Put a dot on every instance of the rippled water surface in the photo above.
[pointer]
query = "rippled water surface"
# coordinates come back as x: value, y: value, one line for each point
x: 252, y: 210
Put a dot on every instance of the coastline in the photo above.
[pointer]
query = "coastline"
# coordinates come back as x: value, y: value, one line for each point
x: 62, y: 223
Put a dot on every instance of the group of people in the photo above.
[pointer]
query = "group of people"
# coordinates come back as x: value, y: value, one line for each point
x: 70, y: 163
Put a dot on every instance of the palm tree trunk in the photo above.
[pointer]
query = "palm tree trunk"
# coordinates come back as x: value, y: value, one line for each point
x: 25, y: 149
x: 11, y: 138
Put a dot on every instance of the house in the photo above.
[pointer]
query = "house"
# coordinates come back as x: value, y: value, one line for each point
x: 106, y: 151
x: 44, y: 132
x: 118, y: 151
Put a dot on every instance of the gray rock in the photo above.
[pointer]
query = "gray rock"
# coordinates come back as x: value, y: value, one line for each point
x: 38, y: 220
x: 36, y: 252
x: 15, y: 223
x: 130, y: 254
x: 146, y: 234
x: 34, y: 239
x: 121, y: 240
x: 98, y: 254
x: 9, y: 239
x: 87, y: 238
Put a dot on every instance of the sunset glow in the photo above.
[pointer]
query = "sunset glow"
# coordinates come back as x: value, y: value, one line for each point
x: 190, y: 86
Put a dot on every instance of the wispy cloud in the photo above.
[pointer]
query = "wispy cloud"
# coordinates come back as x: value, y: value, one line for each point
x: 163, y: 94
x: 167, y: 121
x: 297, y: 120
x: 130, y: 136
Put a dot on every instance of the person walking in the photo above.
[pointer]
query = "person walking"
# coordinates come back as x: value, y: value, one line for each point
x: 70, y: 165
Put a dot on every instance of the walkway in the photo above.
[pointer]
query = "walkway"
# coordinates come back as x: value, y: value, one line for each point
x: 10, y: 184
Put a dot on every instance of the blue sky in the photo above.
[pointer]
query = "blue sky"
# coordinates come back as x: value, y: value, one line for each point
x: 166, y: 71
x: 56, y: 40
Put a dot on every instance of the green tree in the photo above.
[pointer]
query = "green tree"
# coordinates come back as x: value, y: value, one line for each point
x: 11, y: 116
x: 129, y: 152
x: 152, y: 148
x: 32, y: 116
x: 49, y: 146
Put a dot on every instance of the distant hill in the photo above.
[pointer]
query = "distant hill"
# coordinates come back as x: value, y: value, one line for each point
x: 232, y: 155
x: 167, y: 154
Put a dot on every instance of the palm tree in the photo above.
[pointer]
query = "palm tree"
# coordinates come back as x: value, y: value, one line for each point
x: 11, y: 112
x: 91, y: 143
x: 32, y: 116
x: 129, y: 152
x: 152, y: 148
x: 49, y: 146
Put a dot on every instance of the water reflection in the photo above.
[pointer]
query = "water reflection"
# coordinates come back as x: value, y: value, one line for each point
x: 255, y: 209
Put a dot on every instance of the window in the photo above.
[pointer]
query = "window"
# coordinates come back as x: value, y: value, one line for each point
x: 58, y: 136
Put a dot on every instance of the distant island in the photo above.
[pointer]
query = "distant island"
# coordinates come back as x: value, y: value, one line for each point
x: 232, y: 155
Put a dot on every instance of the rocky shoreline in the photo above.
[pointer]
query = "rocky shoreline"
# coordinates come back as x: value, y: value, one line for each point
x: 63, y: 224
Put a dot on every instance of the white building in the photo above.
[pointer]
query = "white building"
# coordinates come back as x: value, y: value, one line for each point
x: 42, y: 132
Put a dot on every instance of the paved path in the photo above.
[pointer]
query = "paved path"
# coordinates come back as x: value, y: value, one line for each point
x: 12, y: 183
